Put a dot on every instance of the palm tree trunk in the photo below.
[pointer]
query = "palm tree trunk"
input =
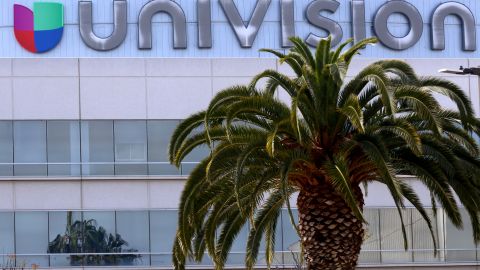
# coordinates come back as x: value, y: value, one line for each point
x: 331, y: 234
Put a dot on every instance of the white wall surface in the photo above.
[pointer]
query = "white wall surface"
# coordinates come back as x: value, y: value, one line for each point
x: 119, y: 194
x: 138, y: 88
x: 131, y: 194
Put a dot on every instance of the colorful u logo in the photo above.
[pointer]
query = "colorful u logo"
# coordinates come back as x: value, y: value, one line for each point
x: 39, y: 30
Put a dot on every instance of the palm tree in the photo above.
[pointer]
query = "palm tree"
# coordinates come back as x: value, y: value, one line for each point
x: 333, y: 137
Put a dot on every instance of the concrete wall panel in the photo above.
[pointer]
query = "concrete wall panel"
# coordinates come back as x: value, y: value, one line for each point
x: 179, y: 67
x: 108, y: 67
x: 44, y: 67
x: 113, y: 98
x: 237, y: 67
x: 6, y: 100
x: 45, y: 98
x: 177, y: 98
x: 165, y: 193
x: 7, y: 195
x: 5, y: 67
x: 115, y: 195
x: 47, y: 195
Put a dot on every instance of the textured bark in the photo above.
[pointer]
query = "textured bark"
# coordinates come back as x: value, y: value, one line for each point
x: 331, y: 234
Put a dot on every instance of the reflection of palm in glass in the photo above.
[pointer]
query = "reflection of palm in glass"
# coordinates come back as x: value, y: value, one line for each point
x: 85, y: 237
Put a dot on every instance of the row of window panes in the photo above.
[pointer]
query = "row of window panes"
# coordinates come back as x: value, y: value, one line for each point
x: 36, y: 238
x: 89, y: 148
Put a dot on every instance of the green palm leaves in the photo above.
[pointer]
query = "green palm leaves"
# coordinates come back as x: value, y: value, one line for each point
x: 383, y: 122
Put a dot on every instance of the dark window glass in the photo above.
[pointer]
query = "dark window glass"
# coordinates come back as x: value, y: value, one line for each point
x: 7, y: 230
x: 65, y: 235
x: 291, y: 241
x: 100, y: 237
x: 97, y: 148
x: 131, y: 148
x: 30, y: 146
x: 63, y: 148
x: 239, y: 247
x: 278, y: 256
x: 193, y: 158
x: 159, y: 134
x: 163, y: 226
x: 6, y: 148
x: 133, y: 228
x: 31, y: 237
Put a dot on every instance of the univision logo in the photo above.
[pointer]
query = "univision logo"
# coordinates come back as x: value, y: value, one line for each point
x: 39, y: 30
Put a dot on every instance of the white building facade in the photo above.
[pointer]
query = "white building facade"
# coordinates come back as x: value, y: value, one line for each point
x: 85, y: 126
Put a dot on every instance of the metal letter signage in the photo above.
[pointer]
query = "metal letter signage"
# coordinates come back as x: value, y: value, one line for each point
x: 358, y: 20
x: 246, y: 34
x: 203, y: 16
x: 178, y: 19
x: 314, y: 17
x: 438, y: 25
x: 288, y: 22
x: 414, y: 17
x: 86, y: 26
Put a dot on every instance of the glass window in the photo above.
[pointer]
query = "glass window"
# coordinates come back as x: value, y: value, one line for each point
x: 163, y: 227
x: 393, y: 249
x: 31, y: 235
x: 65, y: 236
x: 6, y: 233
x: 63, y: 141
x: 422, y: 238
x: 459, y: 242
x: 130, y: 148
x: 97, y: 148
x: 193, y: 158
x: 371, y: 244
x: 291, y: 240
x: 30, y: 148
x: 6, y: 148
x: 99, y: 230
x: 7, y: 241
x: 278, y: 256
x: 239, y: 247
x: 133, y: 228
x: 159, y: 135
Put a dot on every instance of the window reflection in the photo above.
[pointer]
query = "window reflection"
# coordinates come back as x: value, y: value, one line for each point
x: 31, y: 237
x: 163, y: 227
x: 65, y: 236
x: 131, y: 148
x: 97, y: 148
x: 91, y: 148
x: 159, y: 134
x: 291, y: 240
x: 133, y: 227
x: 30, y: 148
x: 95, y: 233
x: 63, y: 148
x: 7, y: 230
x: 6, y: 148
x: 143, y: 238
